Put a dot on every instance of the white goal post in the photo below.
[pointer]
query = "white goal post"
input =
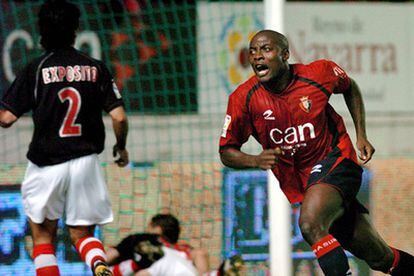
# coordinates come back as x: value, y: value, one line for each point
x: 280, y: 248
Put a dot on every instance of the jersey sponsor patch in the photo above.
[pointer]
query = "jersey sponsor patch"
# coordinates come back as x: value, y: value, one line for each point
x: 116, y: 90
x: 305, y: 104
x: 227, y: 121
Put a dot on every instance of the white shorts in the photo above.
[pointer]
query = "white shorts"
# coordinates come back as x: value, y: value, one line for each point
x: 173, y: 263
x: 76, y: 188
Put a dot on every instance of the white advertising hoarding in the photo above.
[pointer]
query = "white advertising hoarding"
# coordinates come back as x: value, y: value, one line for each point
x: 371, y: 41
x: 223, y: 32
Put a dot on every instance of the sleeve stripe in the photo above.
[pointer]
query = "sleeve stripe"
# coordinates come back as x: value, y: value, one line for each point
x: 38, y: 74
x: 250, y: 94
x: 313, y: 83
x: 222, y: 148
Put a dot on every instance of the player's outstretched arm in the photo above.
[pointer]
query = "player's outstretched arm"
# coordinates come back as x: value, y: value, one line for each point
x: 234, y: 158
x: 120, y: 126
x: 7, y: 118
x: 144, y: 272
x: 112, y: 255
x: 199, y: 256
x: 356, y: 107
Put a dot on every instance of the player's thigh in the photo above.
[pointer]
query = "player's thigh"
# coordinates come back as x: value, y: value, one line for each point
x: 44, y: 190
x: 341, y: 173
x: 87, y: 196
x: 332, y: 186
x: 322, y: 205
x: 365, y: 242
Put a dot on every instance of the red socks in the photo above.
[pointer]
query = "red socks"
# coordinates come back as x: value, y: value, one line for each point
x: 91, y: 250
x: 127, y: 267
x: 331, y: 256
x: 403, y: 264
x: 325, y: 245
x: 45, y: 260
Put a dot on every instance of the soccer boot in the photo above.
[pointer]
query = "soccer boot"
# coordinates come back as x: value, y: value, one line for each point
x: 232, y: 266
x: 147, y: 252
x: 102, y: 269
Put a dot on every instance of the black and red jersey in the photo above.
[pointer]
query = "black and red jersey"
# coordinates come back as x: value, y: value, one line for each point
x: 66, y: 91
x: 299, y: 120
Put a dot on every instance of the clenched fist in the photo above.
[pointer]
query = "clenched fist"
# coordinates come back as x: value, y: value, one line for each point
x: 268, y: 158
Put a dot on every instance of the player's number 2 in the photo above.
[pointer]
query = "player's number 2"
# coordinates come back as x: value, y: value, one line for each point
x: 69, y: 128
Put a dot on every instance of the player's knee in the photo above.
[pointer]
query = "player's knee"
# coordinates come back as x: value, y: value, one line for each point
x: 312, y: 230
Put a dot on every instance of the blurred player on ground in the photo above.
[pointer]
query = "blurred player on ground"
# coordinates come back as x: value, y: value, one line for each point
x: 178, y: 258
x: 66, y: 91
x: 305, y: 144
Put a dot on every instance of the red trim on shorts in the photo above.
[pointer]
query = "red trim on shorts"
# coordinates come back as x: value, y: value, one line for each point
x: 325, y: 245
x: 396, y: 259
x: 46, y: 248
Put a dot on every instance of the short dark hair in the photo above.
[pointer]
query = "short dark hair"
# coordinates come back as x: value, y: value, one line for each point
x: 58, y: 22
x: 169, y: 225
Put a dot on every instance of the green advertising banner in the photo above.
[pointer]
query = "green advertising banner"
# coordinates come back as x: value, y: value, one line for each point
x: 151, y: 49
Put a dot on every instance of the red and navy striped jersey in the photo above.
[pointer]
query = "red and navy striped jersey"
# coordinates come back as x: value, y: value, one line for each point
x: 299, y: 120
x: 67, y: 91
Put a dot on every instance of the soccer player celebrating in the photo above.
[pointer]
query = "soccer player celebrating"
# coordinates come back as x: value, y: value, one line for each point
x: 66, y: 91
x: 305, y: 144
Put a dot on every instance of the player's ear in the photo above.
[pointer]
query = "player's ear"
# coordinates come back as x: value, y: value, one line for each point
x: 285, y: 54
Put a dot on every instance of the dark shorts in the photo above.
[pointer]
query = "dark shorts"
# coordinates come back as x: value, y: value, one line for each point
x: 345, y: 176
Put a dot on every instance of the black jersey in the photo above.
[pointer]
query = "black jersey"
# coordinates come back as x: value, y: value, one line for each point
x: 66, y: 91
x: 130, y: 245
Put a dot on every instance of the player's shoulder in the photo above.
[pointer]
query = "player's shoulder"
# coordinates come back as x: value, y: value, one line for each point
x: 90, y: 59
x: 32, y: 66
x: 184, y: 245
x: 245, y: 88
x: 316, y: 65
x: 35, y: 62
x: 317, y: 69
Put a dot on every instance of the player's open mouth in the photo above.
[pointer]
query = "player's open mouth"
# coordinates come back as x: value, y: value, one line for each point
x: 261, y: 70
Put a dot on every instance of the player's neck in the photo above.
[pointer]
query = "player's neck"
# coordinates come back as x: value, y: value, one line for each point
x: 279, y: 83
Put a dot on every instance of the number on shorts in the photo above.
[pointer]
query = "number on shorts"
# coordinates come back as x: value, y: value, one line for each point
x: 69, y: 128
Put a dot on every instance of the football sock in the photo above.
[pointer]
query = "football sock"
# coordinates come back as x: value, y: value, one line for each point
x: 127, y: 267
x: 45, y: 260
x: 331, y: 257
x: 91, y: 251
x: 403, y: 264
